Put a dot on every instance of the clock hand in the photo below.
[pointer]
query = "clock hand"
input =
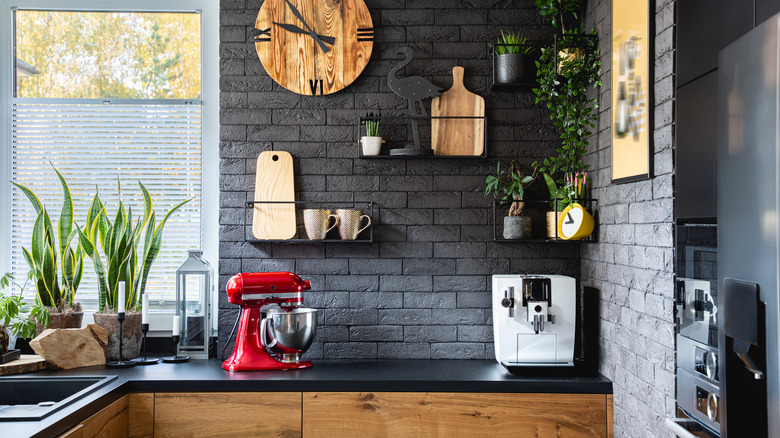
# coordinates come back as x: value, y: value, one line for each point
x: 306, y: 25
x: 295, y: 29
x: 571, y: 219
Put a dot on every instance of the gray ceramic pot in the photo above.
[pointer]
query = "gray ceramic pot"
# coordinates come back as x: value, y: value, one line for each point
x: 517, y: 227
x: 510, y: 68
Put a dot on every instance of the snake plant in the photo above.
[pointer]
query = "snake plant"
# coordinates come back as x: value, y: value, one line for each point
x: 121, y: 258
x: 55, y: 264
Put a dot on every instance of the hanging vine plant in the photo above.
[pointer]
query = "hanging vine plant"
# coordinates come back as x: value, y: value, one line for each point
x: 566, y: 71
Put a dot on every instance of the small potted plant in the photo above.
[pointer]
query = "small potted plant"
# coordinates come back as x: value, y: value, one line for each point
x: 572, y: 189
x: 17, y: 318
x: 371, y: 142
x: 55, y: 258
x: 125, y: 261
x: 512, y: 59
x: 510, y: 187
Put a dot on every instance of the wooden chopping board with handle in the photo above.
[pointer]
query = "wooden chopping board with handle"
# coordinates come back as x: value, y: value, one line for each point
x: 274, y: 181
x: 458, y: 136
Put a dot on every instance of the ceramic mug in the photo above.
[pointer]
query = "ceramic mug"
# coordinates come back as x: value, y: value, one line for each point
x: 350, y: 223
x: 316, y: 222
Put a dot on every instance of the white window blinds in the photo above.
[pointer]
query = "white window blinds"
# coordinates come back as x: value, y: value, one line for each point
x: 94, y: 141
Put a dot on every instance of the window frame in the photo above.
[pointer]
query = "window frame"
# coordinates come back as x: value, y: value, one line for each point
x: 209, y: 13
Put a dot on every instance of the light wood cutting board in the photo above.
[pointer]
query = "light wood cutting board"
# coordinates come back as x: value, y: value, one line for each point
x: 28, y: 363
x: 274, y: 181
x: 458, y: 136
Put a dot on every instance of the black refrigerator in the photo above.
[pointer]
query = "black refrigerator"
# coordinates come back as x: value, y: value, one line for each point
x: 748, y: 178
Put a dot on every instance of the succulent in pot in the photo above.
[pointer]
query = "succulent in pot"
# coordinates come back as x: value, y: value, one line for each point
x: 371, y: 142
x: 510, y: 187
x: 55, y: 259
x: 118, y: 256
x: 513, y: 63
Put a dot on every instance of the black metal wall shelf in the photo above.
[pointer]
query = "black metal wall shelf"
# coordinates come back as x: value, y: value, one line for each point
x: 401, y: 143
x: 525, y: 85
x: 538, y: 213
x: 367, y: 236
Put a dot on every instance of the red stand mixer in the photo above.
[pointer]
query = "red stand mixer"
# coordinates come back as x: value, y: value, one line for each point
x: 270, y: 338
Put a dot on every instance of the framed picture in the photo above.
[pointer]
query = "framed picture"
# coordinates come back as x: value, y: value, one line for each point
x: 632, y: 94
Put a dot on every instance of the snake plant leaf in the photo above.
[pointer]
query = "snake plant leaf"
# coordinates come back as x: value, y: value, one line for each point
x: 30, y: 261
x: 147, y: 202
x: 38, y: 240
x: 36, y: 203
x: 149, y: 233
x: 153, y: 247
x: 49, y: 269
x: 65, y: 224
x: 78, y: 272
x: 97, y: 263
x: 86, y: 244
x: 102, y: 227
x: 94, y: 211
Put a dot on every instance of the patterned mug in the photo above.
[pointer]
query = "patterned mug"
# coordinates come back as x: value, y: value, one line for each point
x: 316, y: 223
x: 350, y: 223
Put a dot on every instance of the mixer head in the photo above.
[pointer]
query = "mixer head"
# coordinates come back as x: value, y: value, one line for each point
x: 257, y: 289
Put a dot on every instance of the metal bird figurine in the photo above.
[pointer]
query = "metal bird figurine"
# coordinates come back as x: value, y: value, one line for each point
x: 414, y: 89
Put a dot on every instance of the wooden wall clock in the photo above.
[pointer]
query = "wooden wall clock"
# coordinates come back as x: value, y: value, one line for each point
x: 314, y: 47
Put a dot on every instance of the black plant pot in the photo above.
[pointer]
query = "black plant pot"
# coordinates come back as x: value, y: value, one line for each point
x: 510, y: 68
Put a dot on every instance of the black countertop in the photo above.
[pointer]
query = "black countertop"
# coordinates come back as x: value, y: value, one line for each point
x: 326, y: 375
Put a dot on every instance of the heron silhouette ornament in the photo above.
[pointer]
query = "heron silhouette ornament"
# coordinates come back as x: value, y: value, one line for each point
x: 414, y: 89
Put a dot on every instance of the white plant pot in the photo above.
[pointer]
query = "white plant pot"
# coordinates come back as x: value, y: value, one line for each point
x: 371, y: 145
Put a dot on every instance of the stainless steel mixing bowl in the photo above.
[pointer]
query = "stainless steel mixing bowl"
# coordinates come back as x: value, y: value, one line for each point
x: 289, y: 333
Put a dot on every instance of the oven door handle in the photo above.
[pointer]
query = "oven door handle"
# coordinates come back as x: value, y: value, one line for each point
x: 677, y: 426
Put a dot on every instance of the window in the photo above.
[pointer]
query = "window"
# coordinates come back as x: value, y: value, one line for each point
x: 107, y: 95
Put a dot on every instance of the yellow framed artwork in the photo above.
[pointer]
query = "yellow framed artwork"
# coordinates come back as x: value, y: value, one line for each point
x: 632, y: 110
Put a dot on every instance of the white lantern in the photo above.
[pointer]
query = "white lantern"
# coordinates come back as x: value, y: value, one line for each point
x: 194, y: 291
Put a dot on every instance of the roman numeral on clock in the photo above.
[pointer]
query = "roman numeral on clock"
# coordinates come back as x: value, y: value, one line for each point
x: 365, y: 34
x: 262, y: 34
x: 314, y: 84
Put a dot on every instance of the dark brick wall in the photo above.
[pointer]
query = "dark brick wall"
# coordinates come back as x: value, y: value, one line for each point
x: 422, y: 289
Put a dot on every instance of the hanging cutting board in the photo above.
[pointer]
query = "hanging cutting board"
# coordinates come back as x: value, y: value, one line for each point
x: 28, y: 363
x: 274, y: 181
x: 458, y: 136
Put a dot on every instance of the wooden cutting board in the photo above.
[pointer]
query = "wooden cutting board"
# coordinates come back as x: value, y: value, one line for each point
x: 458, y: 136
x: 274, y: 181
x: 28, y: 363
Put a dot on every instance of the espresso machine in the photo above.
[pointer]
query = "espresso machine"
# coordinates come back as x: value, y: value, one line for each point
x: 273, y: 329
x: 534, y: 320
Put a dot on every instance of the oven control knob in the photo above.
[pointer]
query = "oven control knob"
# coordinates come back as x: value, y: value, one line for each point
x: 712, y: 406
x: 711, y: 365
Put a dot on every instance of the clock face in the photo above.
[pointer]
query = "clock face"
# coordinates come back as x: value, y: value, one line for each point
x: 314, y: 47
x: 572, y: 221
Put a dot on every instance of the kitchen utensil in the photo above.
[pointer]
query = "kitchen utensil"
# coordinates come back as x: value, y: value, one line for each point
x: 458, y: 136
x: 274, y: 182
x: 349, y: 226
x: 288, y: 333
x: 316, y: 223
x: 291, y: 335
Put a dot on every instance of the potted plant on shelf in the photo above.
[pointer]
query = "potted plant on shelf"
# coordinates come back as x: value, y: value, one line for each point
x: 56, y: 261
x: 571, y: 190
x: 17, y: 318
x: 512, y: 59
x: 125, y: 262
x: 510, y: 187
x: 371, y: 142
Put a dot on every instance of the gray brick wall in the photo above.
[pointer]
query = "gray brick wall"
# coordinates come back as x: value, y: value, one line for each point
x: 421, y: 290
x: 633, y: 263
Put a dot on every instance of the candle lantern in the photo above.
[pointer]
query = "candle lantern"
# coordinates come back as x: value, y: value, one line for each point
x: 194, y: 291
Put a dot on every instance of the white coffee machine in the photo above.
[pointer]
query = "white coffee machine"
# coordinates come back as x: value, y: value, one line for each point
x: 534, y: 320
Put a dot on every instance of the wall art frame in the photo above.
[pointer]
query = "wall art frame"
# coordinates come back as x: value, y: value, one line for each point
x: 633, y: 56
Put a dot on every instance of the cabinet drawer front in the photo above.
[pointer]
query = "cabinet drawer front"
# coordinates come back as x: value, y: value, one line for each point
x: 383, y: 414
x: 218, y: 414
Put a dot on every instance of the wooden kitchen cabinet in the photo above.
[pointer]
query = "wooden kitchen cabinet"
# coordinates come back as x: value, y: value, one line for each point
x: 110, y: 422
x: 227, y: 414
x: 390, y: 414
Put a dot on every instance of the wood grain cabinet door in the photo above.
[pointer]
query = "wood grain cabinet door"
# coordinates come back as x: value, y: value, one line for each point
x: 109, y: 422
x: 227, y: 414
x: 382, y: 414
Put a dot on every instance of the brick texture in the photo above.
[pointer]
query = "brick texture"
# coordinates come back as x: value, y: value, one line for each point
x: 421, y: 290
x: 633, y: 264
